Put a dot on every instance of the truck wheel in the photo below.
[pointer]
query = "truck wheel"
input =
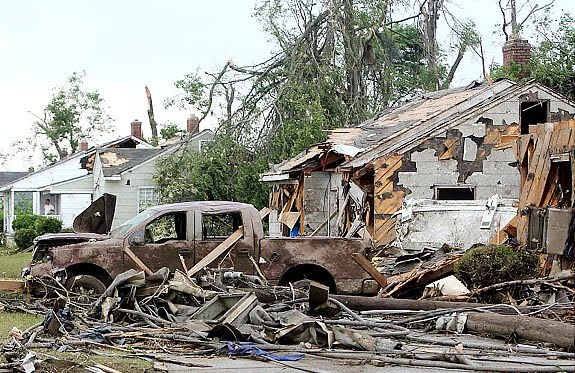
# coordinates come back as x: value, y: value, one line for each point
x: 85, y: 288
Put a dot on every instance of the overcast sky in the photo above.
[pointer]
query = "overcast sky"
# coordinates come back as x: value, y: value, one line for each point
x: 123, y: 45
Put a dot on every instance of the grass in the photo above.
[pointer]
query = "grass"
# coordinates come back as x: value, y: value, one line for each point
x: 20, y: 320
x: 12, y: 263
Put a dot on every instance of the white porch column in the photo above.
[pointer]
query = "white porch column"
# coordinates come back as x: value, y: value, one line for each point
x: 10, y: 214
x: 36, y: 206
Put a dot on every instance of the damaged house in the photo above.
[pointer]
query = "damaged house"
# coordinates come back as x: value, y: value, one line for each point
x: 124, y: 167
x: 440, y: 168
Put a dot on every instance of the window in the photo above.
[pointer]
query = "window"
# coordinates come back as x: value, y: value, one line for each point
x: 455, y: 193
x: 166, y: 227
x: 533, y: 112
x: 147, y: 196
x: 220, y: 225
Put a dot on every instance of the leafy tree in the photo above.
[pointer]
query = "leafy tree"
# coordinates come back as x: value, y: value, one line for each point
x: 552, y: 60
x: 71, y: 114
x: 335, y: 63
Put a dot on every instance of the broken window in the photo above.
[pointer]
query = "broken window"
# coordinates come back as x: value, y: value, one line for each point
x: 147, y: 196
x: 455, y: 193
x: 533, y: 112
x: 220, y: 225
x: 166, y: 227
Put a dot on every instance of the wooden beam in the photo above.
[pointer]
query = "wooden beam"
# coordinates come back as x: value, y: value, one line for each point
x: 12, y: 285
x: 370, y: 269
x: 265, y: 212
x: 227, y: 244
x: 138, y: 262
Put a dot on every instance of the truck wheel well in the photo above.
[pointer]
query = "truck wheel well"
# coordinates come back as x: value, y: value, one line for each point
x: 309, y: 272
x: 89, y: 269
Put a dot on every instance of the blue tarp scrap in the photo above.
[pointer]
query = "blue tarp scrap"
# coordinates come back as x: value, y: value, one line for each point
x: 248, y: 349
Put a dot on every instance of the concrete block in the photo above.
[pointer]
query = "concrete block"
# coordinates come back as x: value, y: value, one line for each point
x: 469, y: 150
x: 426, y: 155
x: 506, y: 155
x: 472, y: 129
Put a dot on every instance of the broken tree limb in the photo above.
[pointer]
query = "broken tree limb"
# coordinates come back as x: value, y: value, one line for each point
x: 227, y: 244
x: 566, y: 276
x: 360, y: 303
x: 542, y: 330
x: 370, y: 269
x: 138, y: 262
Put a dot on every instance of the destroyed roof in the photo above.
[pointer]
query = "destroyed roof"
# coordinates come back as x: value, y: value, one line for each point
x: 400, y: 128
x: 118, y: 160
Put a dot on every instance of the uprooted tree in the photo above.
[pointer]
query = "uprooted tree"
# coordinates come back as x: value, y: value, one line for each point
x: 336, y: 63
x: 71, y: 114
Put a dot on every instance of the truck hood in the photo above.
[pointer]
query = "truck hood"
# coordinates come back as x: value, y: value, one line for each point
x: 98, y: 217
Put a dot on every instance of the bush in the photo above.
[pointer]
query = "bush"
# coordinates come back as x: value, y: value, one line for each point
x: 47, y: 225
x: 484, y: 266
x: 25, y: 221
x: 24, y: 237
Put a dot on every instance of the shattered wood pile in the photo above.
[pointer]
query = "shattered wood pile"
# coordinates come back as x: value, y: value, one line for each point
x: 546, y: 158
x: 176, y: 321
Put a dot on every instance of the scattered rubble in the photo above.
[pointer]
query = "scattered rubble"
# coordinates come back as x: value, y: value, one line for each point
x: 176, y: 320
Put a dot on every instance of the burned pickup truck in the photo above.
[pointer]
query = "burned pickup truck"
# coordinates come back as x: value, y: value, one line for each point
x: 184, y: 236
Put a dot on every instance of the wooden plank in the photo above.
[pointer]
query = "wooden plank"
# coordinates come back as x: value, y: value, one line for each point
x: 226, y: 245
x: 138, y: 262
x: 12, y: 285
x: 369, y: 268
x: 265, y: 212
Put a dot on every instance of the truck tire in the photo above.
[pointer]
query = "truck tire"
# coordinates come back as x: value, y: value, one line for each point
x: 85, y: 288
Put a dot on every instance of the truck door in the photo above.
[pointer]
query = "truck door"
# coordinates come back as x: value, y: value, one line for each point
x: 211, y: 229
x: 165, y: 239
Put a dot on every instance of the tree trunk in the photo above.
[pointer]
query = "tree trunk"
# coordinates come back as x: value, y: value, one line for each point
x: 153, y: 124
x: 430, y: 15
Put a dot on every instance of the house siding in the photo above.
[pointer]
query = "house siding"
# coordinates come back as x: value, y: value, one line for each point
x: 127, y: 195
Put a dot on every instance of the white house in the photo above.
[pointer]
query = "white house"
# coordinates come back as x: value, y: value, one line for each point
x: 124, y: 167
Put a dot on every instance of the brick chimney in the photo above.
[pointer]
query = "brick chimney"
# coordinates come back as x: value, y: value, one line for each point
x: 136, y: 129
x: 193, y: 124
x: 517, y: 50
x: 83, y: 145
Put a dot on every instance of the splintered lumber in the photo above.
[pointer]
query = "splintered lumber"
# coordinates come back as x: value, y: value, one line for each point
x: 265, y: 212
x: 12, y: 285
x: 219, y: 250
x: 370, y: 269
x: 535, y: 329
x: 138, y: 262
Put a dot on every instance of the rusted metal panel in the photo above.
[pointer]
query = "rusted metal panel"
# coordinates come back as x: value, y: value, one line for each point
x: 333, y: 254
x: 98, y: 217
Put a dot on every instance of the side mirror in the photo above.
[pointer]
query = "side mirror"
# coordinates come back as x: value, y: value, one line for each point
x: 138, y: 239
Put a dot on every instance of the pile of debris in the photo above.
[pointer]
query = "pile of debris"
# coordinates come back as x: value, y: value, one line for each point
x: 175, y: 321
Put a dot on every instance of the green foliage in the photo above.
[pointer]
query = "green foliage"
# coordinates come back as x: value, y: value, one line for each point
x: 335, y: 64
x: 27, y: 227
x: 25, y: 221
x: 552, y: 61
x: 484, y: 266
x: 554, y: 58
x: 24, y: 237
x: 222, y: 171
x: 22, y: 203
x: 71, y: 113
x: 169, y: 131
x: 47, y: 225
